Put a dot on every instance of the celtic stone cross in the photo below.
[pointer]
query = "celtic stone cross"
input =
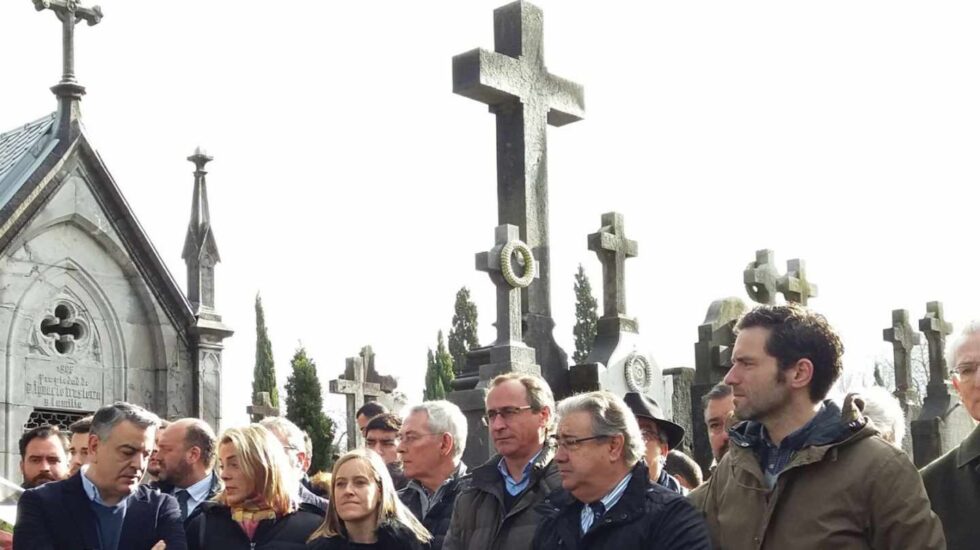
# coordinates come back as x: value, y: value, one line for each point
x: 499, y: 262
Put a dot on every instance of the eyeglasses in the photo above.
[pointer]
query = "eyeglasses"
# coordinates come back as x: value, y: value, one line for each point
x: 371, y: 442
x: 572, y: 443
x: 651, y: 436
x: 413, y: 437
x: 503, y: 412
x: 966, y: 370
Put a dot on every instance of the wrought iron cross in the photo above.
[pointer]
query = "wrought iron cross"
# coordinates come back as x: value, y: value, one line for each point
x: 69, y: 12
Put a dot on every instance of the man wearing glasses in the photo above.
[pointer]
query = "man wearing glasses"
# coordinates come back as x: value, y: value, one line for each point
x: 294, y: 443
x: 497, y: 510
x: 659, y: 436
x: 606, y: 500
x: 431, y: 444
x: 953, y: 480
x: 381, y: 436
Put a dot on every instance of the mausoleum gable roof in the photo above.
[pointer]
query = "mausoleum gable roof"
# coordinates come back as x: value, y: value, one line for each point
x: 16, y: 159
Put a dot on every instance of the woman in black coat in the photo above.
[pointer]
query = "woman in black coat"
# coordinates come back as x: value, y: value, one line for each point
x: 257, y: 508
x: 365, y: 512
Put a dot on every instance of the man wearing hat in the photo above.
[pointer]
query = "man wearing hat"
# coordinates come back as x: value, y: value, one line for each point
x: 660, y: 436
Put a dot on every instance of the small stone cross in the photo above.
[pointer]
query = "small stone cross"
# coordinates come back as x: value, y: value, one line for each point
x: 262, y: 407
x: 903, y: 338
x: 760, y: 277
x: 357, y: 391
x: 509, y: 318
x: 613, y: 248
x: 794, y: 285
x: 936, y: 328
x: 70, y: 12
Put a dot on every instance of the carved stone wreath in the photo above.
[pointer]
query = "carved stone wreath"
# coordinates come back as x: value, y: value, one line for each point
x: 639, y: 374
x: 507, y: 266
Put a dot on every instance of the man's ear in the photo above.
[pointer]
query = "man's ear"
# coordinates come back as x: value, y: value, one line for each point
x: 802, y: 374
x: 616, y: 444
x: 448, y: 444
x: 93, y: 445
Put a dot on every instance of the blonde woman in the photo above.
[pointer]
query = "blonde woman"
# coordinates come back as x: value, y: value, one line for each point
x: 365, y: 512
x: 257, y: 508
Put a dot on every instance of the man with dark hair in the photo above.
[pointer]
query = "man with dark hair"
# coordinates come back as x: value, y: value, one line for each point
x: 368, y: 411
x: 104, y: 506
x: 719, y: 414
x: 381, y: 436
x: 684, y: 469
x: 43, y: 456
x: 78, y: 445
x: 186, y: 456
x: 802, y: 472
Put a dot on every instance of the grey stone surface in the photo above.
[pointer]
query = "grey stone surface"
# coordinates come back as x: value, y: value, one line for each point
x: 713, y: 358
x: 361, y: 383
x: 503, y: 263
x: 763, y: 281
x: 903, y: 338
x: 943, y: 422
x: 682, y: 379
x: 613, y: 248
x: 525, y: 98
x: 261, y: 407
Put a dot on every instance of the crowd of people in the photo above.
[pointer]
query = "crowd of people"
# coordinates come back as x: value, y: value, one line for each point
x: 791, y: 469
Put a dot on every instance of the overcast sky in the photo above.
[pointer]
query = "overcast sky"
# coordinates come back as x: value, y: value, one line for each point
x: 352, y: 187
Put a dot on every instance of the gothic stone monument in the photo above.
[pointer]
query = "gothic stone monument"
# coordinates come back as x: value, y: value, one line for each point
x: 524, y: 98
x: 88, y: 310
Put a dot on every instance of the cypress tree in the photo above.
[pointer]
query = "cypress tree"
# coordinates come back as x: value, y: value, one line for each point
x: 586, y: 317
x: 462, y: 336
x: 304, y: 406
x: 439, y: 372
x: 264, y: 375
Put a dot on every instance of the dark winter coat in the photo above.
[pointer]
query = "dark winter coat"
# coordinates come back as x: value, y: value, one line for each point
x: 953, y: 484
x: 480, y: 519
x: 392, y: 535
x: 439, y: 516
x: 213, y: 528
x: 647, y: 516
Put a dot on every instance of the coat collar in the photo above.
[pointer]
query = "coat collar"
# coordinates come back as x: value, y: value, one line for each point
x: 80, y: 509
x: 969, y: 450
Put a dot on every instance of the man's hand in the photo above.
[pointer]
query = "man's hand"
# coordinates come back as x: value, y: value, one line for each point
x: 159, y: 546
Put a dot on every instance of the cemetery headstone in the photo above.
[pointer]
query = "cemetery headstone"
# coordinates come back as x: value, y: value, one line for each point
x: 903, y: 338
x: 358, y: 390
x: 524, y: 98
x: 261, y: 407
x: 763, y: 281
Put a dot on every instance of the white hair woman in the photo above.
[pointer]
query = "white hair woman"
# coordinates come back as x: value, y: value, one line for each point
x: 258, y: 506
x: 365, y: 512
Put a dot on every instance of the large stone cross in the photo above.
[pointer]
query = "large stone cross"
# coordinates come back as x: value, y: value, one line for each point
x: 70, y: 12
x: 525, y: 98
x: 936, y: 328
x: 262, y: 407
x: 499, y: 262
x: 613, y: 248
x: 794, y: 285
x: 903, y: 338
x: 357, y: 390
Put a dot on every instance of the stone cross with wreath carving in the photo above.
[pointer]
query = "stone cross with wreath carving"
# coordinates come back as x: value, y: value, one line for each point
x: 502, y: 266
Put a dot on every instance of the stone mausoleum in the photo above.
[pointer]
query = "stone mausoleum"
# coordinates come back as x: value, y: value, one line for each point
x: 89, y: 313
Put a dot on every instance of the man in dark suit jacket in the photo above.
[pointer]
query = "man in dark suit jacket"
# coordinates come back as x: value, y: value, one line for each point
x: 103, y: 506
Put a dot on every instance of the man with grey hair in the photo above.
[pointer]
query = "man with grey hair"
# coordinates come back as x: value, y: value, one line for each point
x: 497, y: 509
x: 953, y: 480
x: 104, y: 506
x: 293, y: 441
x: 885, y: 412
x: 432, y: 440
x: 606, y: 500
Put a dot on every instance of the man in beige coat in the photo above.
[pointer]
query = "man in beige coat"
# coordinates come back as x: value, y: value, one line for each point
x: 802, y: 472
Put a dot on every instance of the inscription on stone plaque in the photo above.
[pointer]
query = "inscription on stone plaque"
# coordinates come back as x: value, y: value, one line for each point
x: 62, y: 385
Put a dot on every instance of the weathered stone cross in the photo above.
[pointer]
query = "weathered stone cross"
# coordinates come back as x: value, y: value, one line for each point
x: 763, y: 282
x: 525, y: 98
x: 262, y: 407
x: 613, y: 248
x: 506, y: 240
x: 794, y: 285
x: 356, y: 391
x: 903, y: 338
x: 70, y: 12
x: 936, y: 328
